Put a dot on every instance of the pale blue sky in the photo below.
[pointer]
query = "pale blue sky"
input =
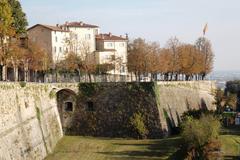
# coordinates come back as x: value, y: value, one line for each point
x: 154, y: 20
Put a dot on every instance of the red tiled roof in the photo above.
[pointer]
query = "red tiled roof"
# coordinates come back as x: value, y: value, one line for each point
x: 53, y: 28
x: 110, y: 37
x: 79, y: 24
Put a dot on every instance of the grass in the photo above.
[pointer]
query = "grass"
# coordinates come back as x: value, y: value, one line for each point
x: 89, y: 148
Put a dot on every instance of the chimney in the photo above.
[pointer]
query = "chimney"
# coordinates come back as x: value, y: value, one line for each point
x: 81, y: 23
x: 121, y: 36
x: 57, y: 25
x: 102, y: 36
x: 110, y: 34
x: 126, y: 36
x: 66, y: 23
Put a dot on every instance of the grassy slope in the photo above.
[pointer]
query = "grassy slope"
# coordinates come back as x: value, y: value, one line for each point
x: 84, y: 148
x: 87, y: 148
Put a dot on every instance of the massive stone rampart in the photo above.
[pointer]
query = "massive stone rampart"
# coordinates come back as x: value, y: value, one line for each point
x: 30, y: 124
x: 29, y: 121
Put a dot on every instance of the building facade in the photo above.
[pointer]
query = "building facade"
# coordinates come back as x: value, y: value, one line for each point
x: 51, y: 38
x: 83, y: 39
x: 112, y: 49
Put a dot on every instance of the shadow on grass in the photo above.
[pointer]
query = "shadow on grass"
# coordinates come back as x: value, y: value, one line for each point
x: 160, y: 149
x: 232, y: 157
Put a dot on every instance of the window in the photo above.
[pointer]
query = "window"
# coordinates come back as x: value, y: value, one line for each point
x: 55, y: 32
x: 88, y: 36
x: 110, y: 44
x: 68, y: 106
x: 55, y: 49
x: 96, y: 31
x: 90, y: 106
x: 56, y: 39
x: 60, y: 49
x: 121, y: 44
x: 122, y: 70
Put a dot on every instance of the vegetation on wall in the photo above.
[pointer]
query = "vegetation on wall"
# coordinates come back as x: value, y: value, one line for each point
x: 22, y: 84
x: 116, y: 110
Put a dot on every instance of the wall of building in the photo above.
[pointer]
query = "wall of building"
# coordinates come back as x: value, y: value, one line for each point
x: 42, y: 37
x: 81, y: 36
x: 59, y: 41
x: 119, y: 50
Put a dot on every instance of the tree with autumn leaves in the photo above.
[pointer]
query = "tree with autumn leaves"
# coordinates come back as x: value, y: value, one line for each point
x: 15, y: 54
x: 177, y: 61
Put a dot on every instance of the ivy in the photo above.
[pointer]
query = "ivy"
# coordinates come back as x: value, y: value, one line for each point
x: 88, y: 89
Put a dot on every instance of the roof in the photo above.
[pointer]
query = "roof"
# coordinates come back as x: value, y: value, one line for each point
x: 53, y: 28
x: 79, y: 24
x: 110, y: 37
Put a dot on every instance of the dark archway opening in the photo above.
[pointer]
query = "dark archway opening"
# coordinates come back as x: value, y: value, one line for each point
x: 66, y: 102
x: 68, y: 106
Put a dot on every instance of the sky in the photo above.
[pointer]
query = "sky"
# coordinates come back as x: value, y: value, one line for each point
x: 154, y: 20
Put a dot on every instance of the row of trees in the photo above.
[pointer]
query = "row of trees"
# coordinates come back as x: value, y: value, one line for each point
x: 177, y: 61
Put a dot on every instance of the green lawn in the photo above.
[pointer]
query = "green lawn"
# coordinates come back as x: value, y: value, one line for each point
x: 88, y: 148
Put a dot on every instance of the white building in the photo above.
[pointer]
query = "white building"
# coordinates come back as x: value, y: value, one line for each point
x: 112, y: 49
x: 82, y: 35
x: 51, y: 38
x: 82, y: 38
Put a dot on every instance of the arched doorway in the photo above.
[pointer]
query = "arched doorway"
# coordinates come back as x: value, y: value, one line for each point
x: 66, y: 101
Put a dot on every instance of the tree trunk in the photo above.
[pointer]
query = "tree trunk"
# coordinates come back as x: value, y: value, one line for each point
x: 89, y: 76
x: 15, y: 68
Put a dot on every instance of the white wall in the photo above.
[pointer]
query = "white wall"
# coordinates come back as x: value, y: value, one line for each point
x: 59, y: 45
x: 86, y: 36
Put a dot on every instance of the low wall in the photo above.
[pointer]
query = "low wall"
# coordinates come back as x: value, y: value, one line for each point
x: 29, y: 121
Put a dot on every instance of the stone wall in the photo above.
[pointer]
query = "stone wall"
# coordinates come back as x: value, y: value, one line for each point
x: 104, y: 109
x: 174, y: 98
x: 30, y: 124
x: 29, y: 121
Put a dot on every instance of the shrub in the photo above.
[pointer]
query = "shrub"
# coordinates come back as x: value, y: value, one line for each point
x: 201, y: 136
x: 22, y: 84
x: 52, y: 94
x: 138, y: 126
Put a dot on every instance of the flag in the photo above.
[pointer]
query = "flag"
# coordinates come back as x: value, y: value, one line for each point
x: 205, y: 29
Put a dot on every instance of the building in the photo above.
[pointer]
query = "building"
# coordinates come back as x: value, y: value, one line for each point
x: 83, y: 39
x: 51, y: 38
x: 82, y: 36
x: 112, y: 49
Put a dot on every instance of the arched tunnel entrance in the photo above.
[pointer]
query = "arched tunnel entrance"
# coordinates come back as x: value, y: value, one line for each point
x: 66, y: 102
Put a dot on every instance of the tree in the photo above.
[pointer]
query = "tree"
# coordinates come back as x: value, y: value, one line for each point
x: 199, y: 135
x: 71, y: 63
x: 172, y: 45
x: 6, y: 31
x: 19, y: 22
x: 37, y: 59
x: 16, y: 57
x: 137, y: 63
x: 205, y: 47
